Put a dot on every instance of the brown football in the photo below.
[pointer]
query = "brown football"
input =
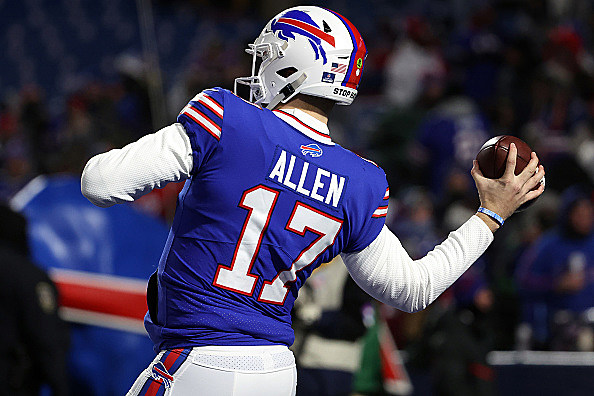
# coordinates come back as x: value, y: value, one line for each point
x: 492, y: 158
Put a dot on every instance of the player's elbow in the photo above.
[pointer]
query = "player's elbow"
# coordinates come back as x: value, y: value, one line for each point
x: 410, y: 306
x: 413, y: 308
x: 92, y: 185
x: 415, y: 296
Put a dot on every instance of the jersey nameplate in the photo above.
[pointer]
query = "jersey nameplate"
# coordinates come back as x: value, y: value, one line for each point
x: 306, y: 178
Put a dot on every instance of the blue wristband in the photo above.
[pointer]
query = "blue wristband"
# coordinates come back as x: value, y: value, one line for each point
x: 498, y: 219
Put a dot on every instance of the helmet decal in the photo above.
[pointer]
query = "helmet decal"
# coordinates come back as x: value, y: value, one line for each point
x: 299, y: 22
x: 353, y: 76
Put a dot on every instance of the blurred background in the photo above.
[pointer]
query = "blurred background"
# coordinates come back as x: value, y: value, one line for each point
x: 442, y: 76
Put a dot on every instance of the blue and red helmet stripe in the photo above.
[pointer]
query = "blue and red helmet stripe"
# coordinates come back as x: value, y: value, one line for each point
x: 357, y: 60
x: 314, y: 30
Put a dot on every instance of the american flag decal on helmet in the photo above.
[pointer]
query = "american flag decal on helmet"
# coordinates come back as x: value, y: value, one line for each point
x: 338, y: 68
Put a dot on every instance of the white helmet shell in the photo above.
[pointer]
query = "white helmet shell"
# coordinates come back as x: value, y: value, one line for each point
x: 308, y: 50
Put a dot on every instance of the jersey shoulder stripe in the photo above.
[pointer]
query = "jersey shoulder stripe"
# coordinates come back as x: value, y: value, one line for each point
x: 382, y: 211
x: 205, y: 112
x: 203, y: 120
x: 211, y: 104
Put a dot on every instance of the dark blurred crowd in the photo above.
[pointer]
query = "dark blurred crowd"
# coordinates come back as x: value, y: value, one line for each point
x: 522, y: 68
x: 441, y: 78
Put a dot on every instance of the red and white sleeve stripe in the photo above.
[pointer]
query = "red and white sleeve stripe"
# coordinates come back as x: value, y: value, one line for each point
x: 207, y: 112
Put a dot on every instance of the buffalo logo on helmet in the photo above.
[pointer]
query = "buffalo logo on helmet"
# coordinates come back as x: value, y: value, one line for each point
x: 299, y: 22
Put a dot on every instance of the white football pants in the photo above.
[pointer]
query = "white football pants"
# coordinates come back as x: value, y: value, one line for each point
x: 219, y: 371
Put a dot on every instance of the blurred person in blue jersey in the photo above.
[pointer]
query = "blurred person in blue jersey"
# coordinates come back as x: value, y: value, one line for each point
x: 556, y: 275
x: 268, y: 197
x: 33, y: 339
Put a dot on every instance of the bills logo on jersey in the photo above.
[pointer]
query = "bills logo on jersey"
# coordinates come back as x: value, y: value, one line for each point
x: 311, y: 149
x: 160, y: 373
x: 298, y: 22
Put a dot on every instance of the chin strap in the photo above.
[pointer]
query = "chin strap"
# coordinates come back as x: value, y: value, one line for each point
x: 287, y: 91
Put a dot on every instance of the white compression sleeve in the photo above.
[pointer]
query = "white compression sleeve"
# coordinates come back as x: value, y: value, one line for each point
x: 123, y: 175
x: 386, y: 272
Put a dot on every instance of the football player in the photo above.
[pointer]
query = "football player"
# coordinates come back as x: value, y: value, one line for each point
x: 268, y: 197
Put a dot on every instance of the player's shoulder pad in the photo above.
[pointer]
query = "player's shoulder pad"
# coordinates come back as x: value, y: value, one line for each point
x: 374, y: 178
x: 204, y: 113
x: 368, y: 166
x: 367, y: 160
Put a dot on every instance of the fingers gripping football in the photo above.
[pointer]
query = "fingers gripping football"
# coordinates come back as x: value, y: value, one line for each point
x: 507, y: 193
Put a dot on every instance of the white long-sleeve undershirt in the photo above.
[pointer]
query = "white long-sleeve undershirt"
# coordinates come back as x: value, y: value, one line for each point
x: 126, y: 174
x: 387, y: 273
x: 383, y: 269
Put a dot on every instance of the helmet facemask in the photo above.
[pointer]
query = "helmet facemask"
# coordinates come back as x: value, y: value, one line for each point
x: 263, y: 54
x: 282, y: 84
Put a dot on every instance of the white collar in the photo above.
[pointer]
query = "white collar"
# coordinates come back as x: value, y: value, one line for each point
x: 306, y: 124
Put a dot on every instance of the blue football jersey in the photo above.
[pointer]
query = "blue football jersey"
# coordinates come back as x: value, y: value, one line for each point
x: 269, y: 200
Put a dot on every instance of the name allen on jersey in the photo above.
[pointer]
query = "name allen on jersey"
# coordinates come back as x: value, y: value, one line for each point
x: 306, y: 178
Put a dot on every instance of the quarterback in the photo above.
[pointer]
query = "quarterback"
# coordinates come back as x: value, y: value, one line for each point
x: 268, y: 197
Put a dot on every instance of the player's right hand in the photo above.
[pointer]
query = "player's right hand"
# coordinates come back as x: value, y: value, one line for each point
x: 504, y: 195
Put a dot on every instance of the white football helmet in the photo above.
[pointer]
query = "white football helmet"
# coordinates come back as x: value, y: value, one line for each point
x: 308, y: 50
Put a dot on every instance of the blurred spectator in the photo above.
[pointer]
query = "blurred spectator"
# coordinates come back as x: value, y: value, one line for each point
x: 455, y: 335
x: 35, y: 123
x: 392, y: 141
x: 557, y: 278
x: 559, y: 118
x: 450, y: 137
x: 479, y: 50
x: 34, y: 340
x: 133, y: 103
x: 413, y: 221
x: 329, y: 324
x: 460, y: 335
x: 513, y: 240
x: 414, y: 63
